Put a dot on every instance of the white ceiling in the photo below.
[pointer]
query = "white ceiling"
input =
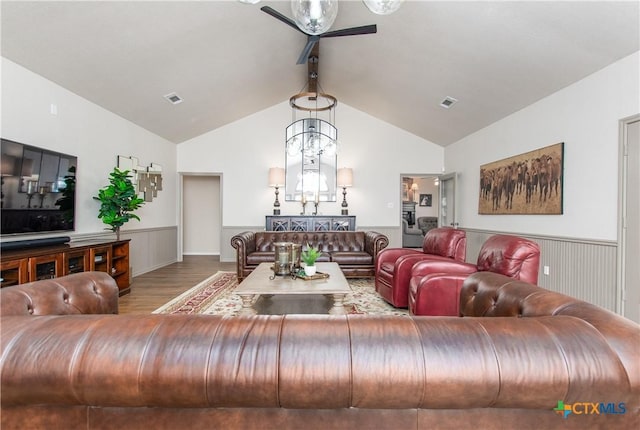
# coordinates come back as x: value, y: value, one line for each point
x: 228, y: 60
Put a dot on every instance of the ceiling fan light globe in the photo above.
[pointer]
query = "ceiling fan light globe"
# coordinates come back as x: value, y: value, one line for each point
x: 383, y: 7
x: 314, y: 17
x: 249, y: 1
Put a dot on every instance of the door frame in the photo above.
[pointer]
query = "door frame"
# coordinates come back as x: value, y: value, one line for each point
x: 622, y: 209
x: 443, y: 178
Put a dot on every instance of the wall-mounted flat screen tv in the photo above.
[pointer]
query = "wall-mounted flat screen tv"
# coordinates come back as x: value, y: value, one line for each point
x: 38, y: 189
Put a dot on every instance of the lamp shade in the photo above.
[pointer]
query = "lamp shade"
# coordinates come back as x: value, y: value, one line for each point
x: 345, y: 177
x: 276, y: 177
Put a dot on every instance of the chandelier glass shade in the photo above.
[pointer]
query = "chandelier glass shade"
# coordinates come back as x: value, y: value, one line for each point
x: 311, y: 136
x: 314, y: 16
x: 383, y: 7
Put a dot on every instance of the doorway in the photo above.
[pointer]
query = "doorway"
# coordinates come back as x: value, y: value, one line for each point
x: 420, y: 199
x: 201, y: 219
x: 629, y: 220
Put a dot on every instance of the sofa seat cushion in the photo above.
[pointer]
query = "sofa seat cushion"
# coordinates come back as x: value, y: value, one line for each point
x: 324, y: 258
x: 258, y: 257
x: 351, y: 257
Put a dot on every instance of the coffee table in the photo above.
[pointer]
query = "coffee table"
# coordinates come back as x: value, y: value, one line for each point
x: 259, y: 284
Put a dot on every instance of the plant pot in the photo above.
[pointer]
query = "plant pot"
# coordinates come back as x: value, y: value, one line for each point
x: 309, y: 270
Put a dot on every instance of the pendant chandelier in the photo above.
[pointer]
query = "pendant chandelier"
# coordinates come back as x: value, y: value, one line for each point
x: 311, y: 141
x: 312, y: 135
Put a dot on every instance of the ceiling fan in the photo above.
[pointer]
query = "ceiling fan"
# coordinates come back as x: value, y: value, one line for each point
x: 313, y: 39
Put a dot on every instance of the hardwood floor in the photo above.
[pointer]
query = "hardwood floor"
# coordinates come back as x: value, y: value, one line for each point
x: 153, y: 289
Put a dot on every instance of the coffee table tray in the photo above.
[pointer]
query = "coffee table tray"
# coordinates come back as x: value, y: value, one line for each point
x: 318, y: 275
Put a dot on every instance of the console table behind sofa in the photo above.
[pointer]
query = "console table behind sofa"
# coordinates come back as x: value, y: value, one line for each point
x: 310, y: 223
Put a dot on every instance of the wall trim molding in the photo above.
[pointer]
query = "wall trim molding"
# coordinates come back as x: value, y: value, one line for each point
x: 612, y: 243
x: 580, y: 268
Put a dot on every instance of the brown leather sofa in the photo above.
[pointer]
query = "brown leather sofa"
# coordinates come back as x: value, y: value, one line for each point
x: 518, y: 351
x: 354, y: 251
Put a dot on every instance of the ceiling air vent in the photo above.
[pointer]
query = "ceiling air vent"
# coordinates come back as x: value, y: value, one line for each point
x: 173, y: 98
x: 448, y: 102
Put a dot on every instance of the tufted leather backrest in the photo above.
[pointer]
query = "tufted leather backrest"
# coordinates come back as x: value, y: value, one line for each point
x: 446, y: 242
x: 513, y: 256
x: 486, y: 294
x: 325, y: 241
x: 307, y: 362
x: 80, y: 293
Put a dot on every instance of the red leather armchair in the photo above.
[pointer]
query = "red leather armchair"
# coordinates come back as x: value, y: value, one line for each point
x: 434, y: 287
x: 393, y: 266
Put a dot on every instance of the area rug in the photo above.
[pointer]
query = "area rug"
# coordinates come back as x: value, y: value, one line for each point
x: 215, y: 296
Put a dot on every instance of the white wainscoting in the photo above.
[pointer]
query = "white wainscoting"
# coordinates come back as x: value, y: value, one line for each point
x: 149, y: 249
x: 584, y: 269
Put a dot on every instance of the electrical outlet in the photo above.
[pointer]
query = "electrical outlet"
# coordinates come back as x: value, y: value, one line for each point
x: 390, y: 205
x: 545, y: 270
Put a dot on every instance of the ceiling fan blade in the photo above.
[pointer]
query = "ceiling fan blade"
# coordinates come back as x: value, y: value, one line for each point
x: 277, y: 15
x: 353, y: 31
x: 304, y: 55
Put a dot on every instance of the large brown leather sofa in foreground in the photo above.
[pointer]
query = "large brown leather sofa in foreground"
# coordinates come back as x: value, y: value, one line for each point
x: 517, y: 352
x: 354, y: 251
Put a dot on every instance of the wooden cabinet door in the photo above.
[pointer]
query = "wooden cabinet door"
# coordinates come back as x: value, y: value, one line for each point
x: 100, y: 259
x: 14, y: 272
x: 76, y: 261
x: 45, y: 267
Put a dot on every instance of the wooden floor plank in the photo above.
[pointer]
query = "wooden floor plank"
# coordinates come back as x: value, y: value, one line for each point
x: 151, y: 290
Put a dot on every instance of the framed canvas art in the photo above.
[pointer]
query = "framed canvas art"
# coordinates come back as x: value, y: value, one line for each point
x: 426, y: 199
x: 529, y: 183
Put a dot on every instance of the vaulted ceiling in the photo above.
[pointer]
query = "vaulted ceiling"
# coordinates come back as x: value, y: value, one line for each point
x: 228, y: 60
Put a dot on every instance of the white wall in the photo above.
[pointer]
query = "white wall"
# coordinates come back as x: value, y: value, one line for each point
x: 244, y: 150
x: 93, y: 134
x: 585, y: 117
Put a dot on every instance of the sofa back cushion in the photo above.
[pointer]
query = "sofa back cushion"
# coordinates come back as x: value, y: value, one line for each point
x: 512, y: 256
x: 80, y: 293
x: 486, y: 294
x: 446, y: 242
x: 325, y: 241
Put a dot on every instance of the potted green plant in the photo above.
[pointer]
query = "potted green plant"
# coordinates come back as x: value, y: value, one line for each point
x: 309, y: 257
x: 118, y: 201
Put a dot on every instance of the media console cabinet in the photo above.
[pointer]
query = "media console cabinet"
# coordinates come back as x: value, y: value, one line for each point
x: 20, y: 266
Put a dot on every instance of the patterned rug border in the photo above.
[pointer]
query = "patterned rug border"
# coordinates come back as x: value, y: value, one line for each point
x: 214, y: 296
x: 204, y: 293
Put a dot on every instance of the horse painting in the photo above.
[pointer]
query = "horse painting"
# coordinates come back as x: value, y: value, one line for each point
x: 529, y: 183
